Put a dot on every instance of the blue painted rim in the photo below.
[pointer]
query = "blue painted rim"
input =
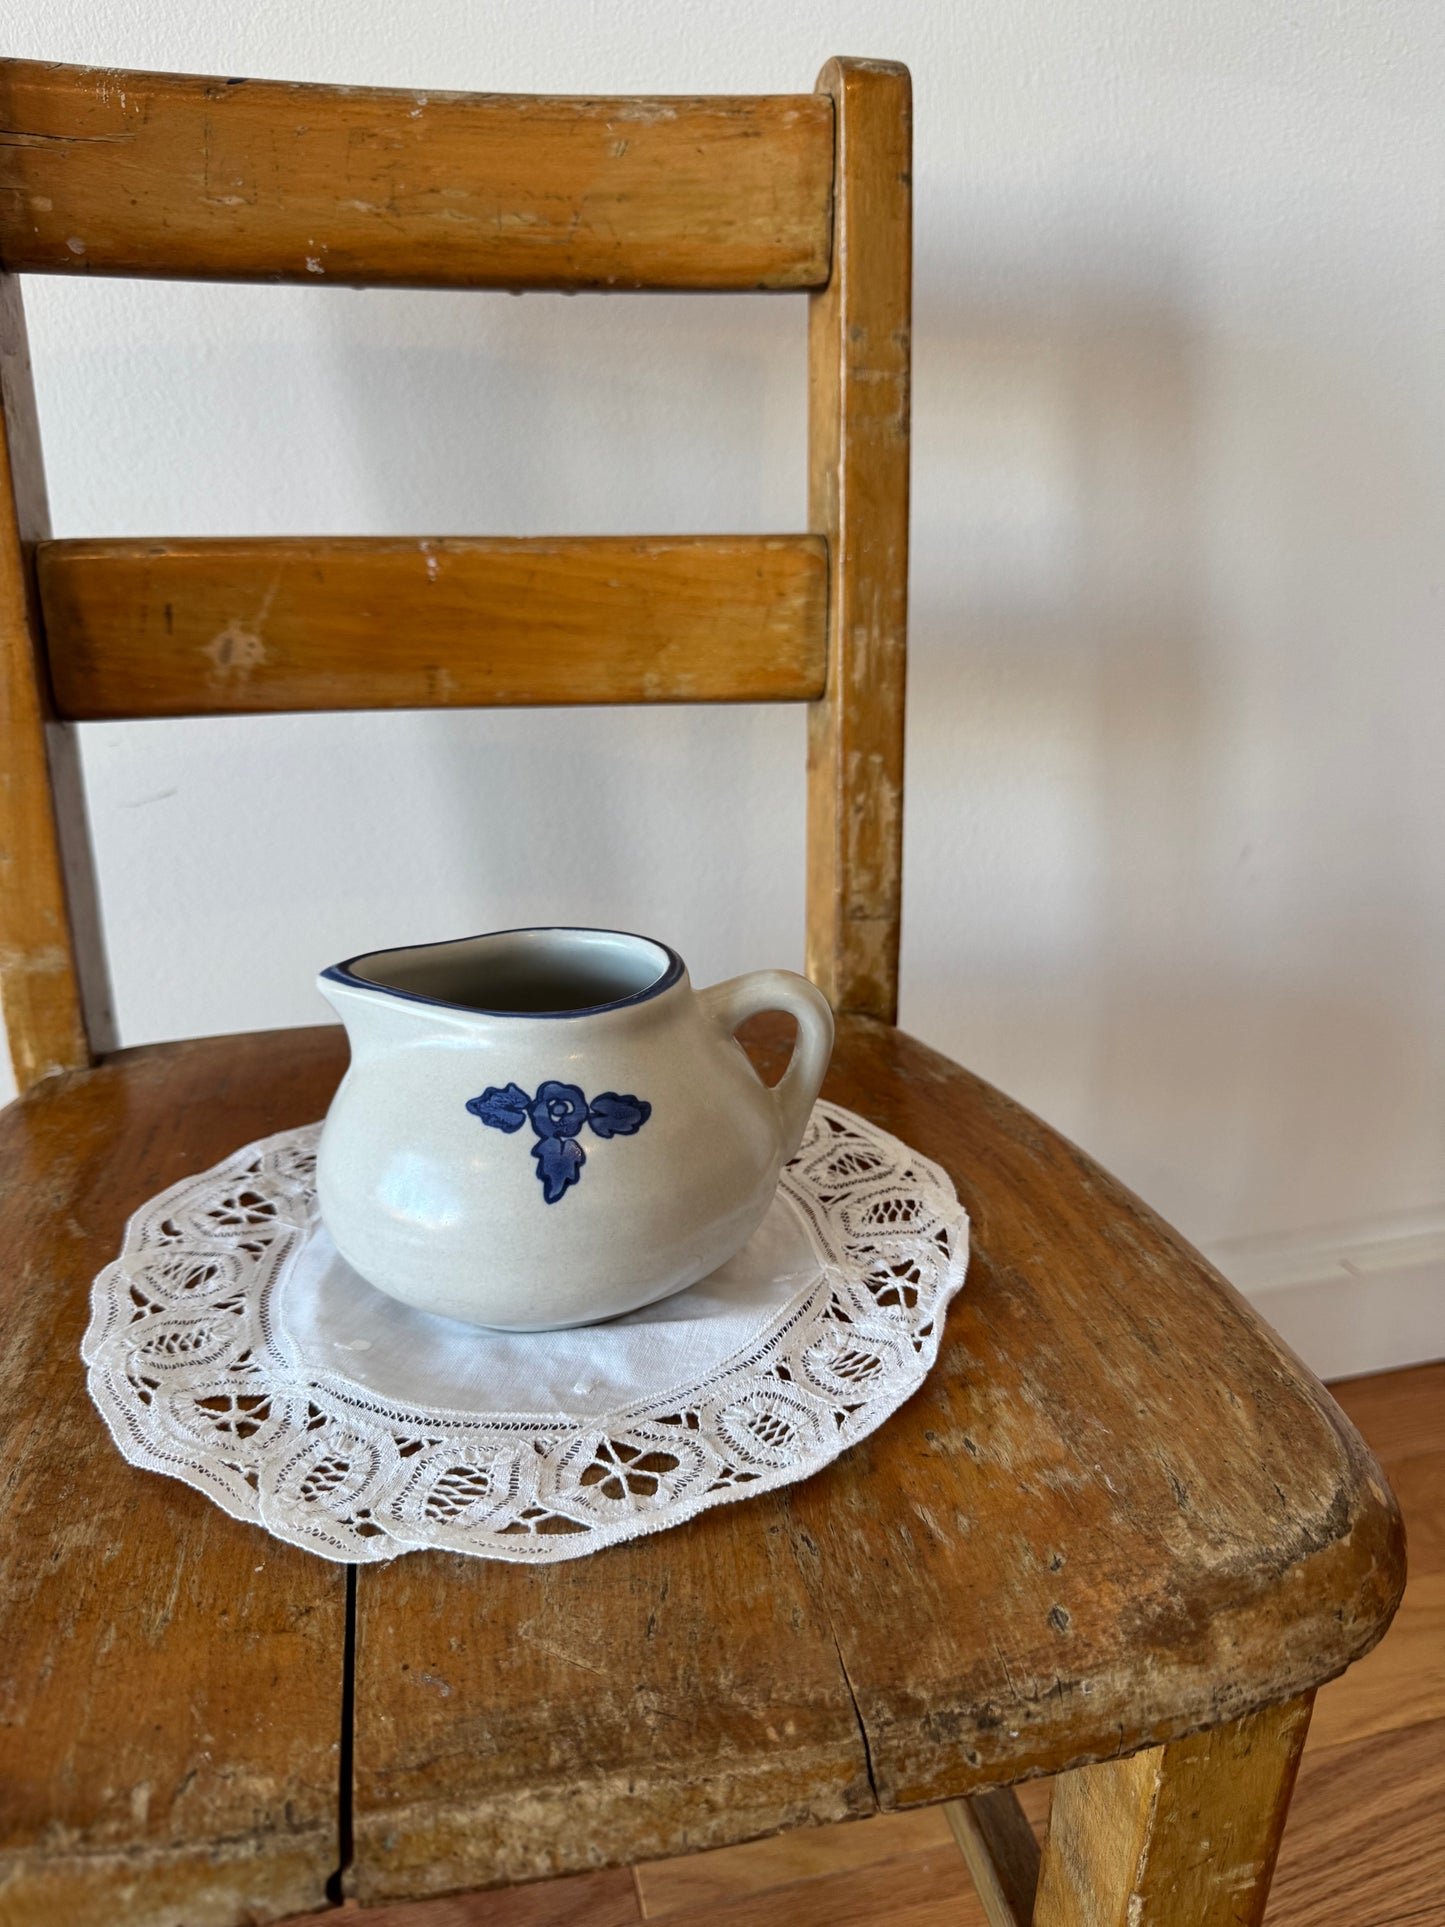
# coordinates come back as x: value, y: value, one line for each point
x: 345, y: 973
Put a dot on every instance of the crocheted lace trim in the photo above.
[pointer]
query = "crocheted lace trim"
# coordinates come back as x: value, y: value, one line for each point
x: 195, y: 1378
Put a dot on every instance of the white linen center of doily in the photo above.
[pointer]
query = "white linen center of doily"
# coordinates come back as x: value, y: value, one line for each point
x: 334, y: 1324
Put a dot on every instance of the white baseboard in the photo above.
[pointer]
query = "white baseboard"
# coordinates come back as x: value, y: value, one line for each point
x: 1358, y: 1299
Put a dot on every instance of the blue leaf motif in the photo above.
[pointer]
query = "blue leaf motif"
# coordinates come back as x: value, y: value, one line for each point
x: 614, y: 1116
x: 504, y: 1110
x: 559, y: 1163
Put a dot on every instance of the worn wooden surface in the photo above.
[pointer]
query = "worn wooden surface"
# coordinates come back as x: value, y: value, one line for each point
x: 170, y: 1690
x: 858, y: 438
x: 1072, y: 1541
x: 216, y: 627
x: 39, y: 986
x: 1363, y: 1848
x: 1075, y: 1539
x: 1184, y: 1835
x: 1363, y: 1845
x: 108, y: 172
x: 514, y: 1723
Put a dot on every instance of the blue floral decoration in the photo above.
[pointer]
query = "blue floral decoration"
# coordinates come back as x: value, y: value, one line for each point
x: 557, y: 1114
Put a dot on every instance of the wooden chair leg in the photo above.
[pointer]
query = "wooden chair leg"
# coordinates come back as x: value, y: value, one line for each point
x: 998, y: 1844
x: 1183, y: 1835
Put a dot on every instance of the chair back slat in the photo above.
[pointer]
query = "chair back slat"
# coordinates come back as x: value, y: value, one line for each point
x: 212, y: 179
x: 223, y: 628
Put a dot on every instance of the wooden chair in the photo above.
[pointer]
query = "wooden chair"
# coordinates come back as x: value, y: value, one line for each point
x: 1120, y: 1536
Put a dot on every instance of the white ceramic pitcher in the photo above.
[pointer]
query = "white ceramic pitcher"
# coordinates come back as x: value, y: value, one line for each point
x: 542, y: 1128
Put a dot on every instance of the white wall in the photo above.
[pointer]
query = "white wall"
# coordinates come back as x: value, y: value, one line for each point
x: 1174, y: 869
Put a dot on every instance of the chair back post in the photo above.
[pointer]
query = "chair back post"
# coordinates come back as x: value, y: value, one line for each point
x: 858, y: 435
x: 40, y: 995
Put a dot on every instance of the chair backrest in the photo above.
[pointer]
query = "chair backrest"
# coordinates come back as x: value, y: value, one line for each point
x: 212, y: 179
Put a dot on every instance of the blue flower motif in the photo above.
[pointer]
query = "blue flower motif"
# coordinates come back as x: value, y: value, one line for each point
x: 557, y: 1114
x: 560, y: 1110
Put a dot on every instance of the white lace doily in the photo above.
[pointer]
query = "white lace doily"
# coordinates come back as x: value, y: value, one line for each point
x: 230, y: 1346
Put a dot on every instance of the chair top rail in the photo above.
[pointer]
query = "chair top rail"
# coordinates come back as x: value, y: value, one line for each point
x: 189, y: 177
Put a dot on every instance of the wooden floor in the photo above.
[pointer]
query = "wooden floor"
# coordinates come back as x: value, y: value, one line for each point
x: 1366, y: 1838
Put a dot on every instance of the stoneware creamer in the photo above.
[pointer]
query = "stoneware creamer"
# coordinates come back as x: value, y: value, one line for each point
x: 543, y: 1128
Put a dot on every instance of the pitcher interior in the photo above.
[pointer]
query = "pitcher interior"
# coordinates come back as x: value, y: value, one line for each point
x: 551, y: 972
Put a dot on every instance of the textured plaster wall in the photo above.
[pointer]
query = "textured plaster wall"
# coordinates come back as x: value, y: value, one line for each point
x: 1174, y: 869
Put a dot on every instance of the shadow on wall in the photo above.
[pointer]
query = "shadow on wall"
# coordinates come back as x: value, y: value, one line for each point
x: 1126, y: 898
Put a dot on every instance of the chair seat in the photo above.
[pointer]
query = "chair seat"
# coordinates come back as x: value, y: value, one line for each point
x: 1118, y: 1511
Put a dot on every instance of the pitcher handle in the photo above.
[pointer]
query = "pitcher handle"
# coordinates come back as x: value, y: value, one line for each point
x: 732, y: 1002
